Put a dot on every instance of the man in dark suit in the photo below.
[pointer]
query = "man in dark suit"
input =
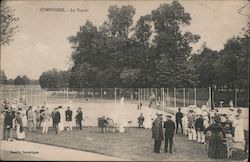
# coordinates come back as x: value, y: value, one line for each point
x: 140, y: 120
x: 68, y: 118
x: 53, y: 116
x: 57, y: 119
x: 169, y: 126
x: 8, y: 125
x: 199, y: 128
x: 157, y: 133
x: 178, y: 119
x: 79, y: 118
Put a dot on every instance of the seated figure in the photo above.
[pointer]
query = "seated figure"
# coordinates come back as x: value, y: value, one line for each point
x: 102, y: 124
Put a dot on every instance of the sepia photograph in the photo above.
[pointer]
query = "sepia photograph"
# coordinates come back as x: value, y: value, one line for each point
x: 124, y: 80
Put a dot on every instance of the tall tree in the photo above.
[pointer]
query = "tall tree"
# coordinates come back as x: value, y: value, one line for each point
x: 54, y: 79
x: 172, y: 47
x: 21, y: 80
x: 233, y: 63
x: 205, y: 66
x: 8, y: 23
x: 8, y: 26
x: 120, y: 20
x: 3, y: 78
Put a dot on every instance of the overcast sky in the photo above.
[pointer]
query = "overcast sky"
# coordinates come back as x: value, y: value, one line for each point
x: 41, y: 42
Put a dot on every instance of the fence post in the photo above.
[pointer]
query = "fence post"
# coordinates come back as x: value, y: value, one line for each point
x: 167, y: 98
x: 67, y: 95
x: 101, y: 94
x: 46, y: 97
x: 235, y: 95
x: 18, y: 91
x: 184, y: 99
x: 174, y: 99
x: 31, y: 97
x: 10, y: 95
x: 163, y: 99
x: 115, y: 95
x: 35, y: 96
x: 194, y: 95
x: 144, y: 95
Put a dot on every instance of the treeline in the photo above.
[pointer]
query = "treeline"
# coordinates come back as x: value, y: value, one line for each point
x: 155, y: 52
x: 19, y: 80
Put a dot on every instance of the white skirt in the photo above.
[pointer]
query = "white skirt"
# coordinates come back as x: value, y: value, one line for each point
x: 20, y: 135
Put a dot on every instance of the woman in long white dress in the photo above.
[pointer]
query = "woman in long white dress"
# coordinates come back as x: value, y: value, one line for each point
x: 239, y: 130
x: 148, y: 122
x: 61, y: 124
x: 185, y: 124
x: 19, y: 127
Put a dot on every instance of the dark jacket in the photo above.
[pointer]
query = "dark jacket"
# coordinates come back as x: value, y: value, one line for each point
x: 53, y: 114
x: 57, y: 117
x: 169, y: 126
x: 216, y: 129
x: 41, y: 112
x: 228, y: 126
x: 68, y: 115
x: 20, y: 122
x: 8, y: 120
x: 199, y: 124
x: 178, y: 116
x: 140, y: 119
x: 79, y: 116
x: 157, y: 130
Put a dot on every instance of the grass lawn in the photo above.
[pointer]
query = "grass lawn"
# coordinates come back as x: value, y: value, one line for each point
x: 135, y: 144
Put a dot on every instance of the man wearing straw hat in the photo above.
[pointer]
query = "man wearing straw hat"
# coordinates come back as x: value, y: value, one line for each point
x: 169, y: 126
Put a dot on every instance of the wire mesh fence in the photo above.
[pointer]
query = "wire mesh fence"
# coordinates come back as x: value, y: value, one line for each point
x: 157, y: 97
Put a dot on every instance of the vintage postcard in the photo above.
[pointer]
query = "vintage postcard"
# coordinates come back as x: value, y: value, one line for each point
x: 124, y: 80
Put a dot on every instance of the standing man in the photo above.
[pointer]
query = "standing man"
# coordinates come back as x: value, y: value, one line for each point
x: 169, y: 126
x: 68, y: 117
x: 8, y: 125
x: 53, y: 116
x: 157, y: 133
x: 46, y: 119
x: 57, y: 119
x: 178, y: 119
x: 140, y: 120
x: 199, y: 127
x: 79, y: 118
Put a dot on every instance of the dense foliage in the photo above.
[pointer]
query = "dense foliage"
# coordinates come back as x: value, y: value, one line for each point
x: 152, y: 52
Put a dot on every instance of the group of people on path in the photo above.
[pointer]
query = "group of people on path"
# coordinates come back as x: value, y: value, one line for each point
x: 158, y: 133
x: 198, y: 121
x: 38, y: 119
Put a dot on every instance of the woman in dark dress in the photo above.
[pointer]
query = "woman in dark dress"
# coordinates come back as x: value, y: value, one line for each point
x: 215, y: 146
